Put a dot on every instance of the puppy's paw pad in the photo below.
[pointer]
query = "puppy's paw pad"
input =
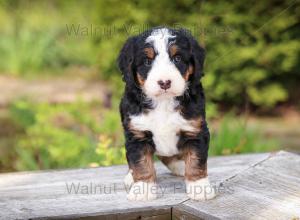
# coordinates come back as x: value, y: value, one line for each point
x: 128, y: 180
x: 200, y: 189
x: 142, y: 191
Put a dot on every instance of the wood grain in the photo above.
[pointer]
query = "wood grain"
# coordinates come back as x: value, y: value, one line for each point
x: 269, y: 189
x: 264, y: 187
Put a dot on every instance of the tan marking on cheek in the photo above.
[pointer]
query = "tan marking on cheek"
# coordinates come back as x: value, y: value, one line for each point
x: 193, y: 170
x: 144, y: 170
x: 140, y: 79
x: 188, y: 72
x: 149, y: 52
x: 173, y: 50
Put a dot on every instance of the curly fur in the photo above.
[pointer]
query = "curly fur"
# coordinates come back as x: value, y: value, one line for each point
x: 147, y: 125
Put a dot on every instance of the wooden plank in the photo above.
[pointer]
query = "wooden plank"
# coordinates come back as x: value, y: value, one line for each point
x: 153, y: 214
x: 52, y: 194
x: 269, y: 189
x: 182, y: 212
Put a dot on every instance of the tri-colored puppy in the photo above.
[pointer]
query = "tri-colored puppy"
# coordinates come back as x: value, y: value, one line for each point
x: 163, y: 111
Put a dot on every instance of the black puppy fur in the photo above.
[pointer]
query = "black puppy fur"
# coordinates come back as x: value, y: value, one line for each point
x: 132, y: 60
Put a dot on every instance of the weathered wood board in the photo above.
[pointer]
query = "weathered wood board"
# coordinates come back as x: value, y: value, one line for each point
x: 269, y: 189
x: 257, y: 185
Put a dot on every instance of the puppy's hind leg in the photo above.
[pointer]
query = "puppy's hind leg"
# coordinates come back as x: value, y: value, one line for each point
x: 175, y: 164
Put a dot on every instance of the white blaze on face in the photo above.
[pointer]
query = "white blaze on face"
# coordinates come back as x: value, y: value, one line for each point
x: 163, y: 68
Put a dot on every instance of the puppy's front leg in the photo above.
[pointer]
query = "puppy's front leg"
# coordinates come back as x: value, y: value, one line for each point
x: 140, y: 159
x: 198, y: 186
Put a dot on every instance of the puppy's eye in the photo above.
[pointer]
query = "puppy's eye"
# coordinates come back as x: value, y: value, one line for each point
x: 147, y: 62
x: 177, y: 59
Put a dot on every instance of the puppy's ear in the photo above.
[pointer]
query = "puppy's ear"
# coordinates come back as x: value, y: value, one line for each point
x: 198, y: 56
x: 125, y: 60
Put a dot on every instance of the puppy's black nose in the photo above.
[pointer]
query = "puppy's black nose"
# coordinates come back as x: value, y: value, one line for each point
x: 164, y: 84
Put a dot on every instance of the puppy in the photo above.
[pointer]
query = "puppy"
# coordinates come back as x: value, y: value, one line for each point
x: 163, y: 111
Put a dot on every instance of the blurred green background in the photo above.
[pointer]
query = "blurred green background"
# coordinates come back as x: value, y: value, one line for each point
x: 60, y: 86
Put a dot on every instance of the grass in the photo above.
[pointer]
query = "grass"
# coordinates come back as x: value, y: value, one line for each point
x: 234, y: 136
x: 27, y: 52
x: 34, y: 40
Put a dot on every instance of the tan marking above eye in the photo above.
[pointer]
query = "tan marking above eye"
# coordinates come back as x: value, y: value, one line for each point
x: 149, y: 51
x: 173, y: 50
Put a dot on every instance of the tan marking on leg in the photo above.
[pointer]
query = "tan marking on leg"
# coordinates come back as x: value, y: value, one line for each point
x: 167, y: 160
x: 144, y: 170
x: 193, y: 170
x: 175, y: 164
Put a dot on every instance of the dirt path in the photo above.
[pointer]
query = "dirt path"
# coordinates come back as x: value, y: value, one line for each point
x: 62, y: 90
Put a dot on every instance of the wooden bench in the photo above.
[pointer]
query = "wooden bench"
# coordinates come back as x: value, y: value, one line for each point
x: 257, y: 186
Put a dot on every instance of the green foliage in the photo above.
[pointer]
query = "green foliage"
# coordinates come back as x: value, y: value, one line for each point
x: 252, y: 56
x: 254, y: 60
x: 73, y: 135
x: 109, y: 154
x: 28, y: 51
x: 234, y: 136
x: 66, y: 135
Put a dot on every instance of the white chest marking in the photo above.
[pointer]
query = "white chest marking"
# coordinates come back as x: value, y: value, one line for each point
x: 164, y: 122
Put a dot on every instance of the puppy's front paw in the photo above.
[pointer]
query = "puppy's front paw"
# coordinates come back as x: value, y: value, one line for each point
x: 128, y: 180
x: 200, y: 189
x: 142, y: 191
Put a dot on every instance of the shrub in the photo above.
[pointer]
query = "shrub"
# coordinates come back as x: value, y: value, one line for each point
x: 66, y: 135
x: 252, y: 57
